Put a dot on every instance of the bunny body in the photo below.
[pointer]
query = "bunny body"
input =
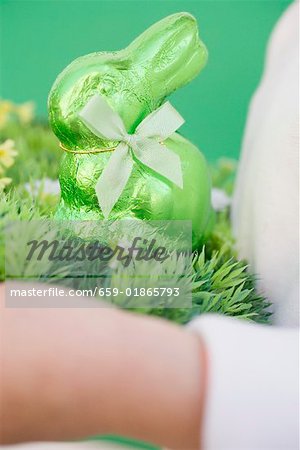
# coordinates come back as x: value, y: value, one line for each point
x: 135, y: 81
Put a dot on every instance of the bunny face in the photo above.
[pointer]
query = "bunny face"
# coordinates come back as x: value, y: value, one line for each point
x: 135, y: 81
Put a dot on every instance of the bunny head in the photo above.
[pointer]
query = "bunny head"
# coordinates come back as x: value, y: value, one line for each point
x: 135, y: 81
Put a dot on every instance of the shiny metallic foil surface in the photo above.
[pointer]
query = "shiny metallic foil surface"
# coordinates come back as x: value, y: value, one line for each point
x: 135, y: 81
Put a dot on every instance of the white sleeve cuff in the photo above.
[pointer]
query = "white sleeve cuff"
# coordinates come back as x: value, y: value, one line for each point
x: 252, y: 392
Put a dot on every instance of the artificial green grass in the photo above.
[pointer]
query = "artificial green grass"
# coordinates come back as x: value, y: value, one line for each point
x: 219, y: 282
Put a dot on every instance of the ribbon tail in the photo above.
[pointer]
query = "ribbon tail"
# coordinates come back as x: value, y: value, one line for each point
x: 113, y: 179
x: 160, y: 159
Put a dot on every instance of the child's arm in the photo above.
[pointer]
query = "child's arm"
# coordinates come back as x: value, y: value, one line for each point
x: 70, y: 373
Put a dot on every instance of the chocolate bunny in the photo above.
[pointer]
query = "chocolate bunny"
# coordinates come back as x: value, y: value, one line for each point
x: 135, y: 82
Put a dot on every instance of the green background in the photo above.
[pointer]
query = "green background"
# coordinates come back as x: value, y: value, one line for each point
x: 39, y: 38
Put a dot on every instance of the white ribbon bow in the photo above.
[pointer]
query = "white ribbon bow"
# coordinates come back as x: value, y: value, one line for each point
x: 106, y: 123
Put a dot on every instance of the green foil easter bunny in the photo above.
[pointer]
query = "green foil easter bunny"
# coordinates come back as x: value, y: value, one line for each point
x: 135, y: 82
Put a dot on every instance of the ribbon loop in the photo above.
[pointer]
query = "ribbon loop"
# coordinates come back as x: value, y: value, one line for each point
x: 106, y: 123
x: 161, y: 123
x: 102, y: 120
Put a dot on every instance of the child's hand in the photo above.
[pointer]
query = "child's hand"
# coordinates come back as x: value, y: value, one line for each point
x: 71, y: 373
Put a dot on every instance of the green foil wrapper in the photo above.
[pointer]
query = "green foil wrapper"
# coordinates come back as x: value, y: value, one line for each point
x: 135, y: 81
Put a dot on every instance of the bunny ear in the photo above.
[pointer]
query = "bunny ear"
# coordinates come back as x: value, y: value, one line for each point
x: 172, y: 51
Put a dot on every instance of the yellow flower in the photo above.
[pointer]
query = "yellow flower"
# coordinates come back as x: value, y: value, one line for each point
x: 4, y: 182
x: 7, y: 153
x: 6, y: 107
x: 25, y: 112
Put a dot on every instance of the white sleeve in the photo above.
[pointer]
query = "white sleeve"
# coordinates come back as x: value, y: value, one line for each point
x: 252, y: 389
